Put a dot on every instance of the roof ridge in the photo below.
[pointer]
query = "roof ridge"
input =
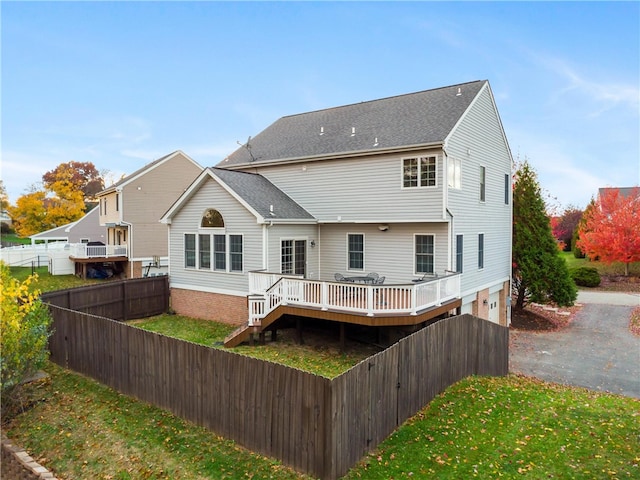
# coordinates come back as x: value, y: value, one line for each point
x: 383, y: 98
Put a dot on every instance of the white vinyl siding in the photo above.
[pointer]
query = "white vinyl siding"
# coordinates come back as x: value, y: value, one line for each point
x: 360, y: 189
x: 235, y: 249
x: 478, y: 141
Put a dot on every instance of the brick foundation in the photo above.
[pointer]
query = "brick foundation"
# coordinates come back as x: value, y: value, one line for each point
x: 229, y: 309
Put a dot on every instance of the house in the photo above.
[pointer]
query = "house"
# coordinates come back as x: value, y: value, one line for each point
x: 136, y: 243
x: 84, y: 230
x: 416, y: 188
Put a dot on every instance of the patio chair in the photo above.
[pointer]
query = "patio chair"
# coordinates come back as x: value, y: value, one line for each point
x: 340, y: 278
x: 374, y: 276
x: 380, y: 280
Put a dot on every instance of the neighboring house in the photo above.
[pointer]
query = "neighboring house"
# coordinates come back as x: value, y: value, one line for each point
x: 84, y: 230
x: 6, y: 218
x: 416, y: 188
x: 131, y: 209
x: 624, y: 192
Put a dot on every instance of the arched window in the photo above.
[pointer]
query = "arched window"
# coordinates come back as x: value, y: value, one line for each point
x: 212, y: 219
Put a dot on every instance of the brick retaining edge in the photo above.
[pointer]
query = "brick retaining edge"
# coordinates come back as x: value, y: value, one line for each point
x: 18, y: 465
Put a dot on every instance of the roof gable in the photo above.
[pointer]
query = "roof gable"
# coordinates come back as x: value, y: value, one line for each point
x: 63, y: 230
x: 261, y: 197
x: 143, y: 170
x: 421, y: 118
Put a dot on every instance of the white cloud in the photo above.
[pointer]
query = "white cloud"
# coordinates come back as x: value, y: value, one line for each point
x: 605, y: 95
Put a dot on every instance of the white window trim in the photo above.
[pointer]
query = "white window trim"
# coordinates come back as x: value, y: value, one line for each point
x: 415, y: 272
x: 211, y: 232
x: 364, y: 255
x: 419, y: 157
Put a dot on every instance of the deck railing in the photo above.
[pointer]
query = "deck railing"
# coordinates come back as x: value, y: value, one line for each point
x: 82, y: 250
x: 365, y: 299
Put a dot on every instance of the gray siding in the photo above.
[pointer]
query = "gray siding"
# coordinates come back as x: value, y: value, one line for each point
x: 148, y: 197
x: 477, y: 141
x: 390, y: 253
x: 360, y: 189
x: 238, y: 221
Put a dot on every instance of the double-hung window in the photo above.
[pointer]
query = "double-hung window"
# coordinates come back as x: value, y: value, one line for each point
x: 190, y: 250
x: 459, y: 252
x: 424, y: 254
x: 355, y: 253
x: 454, y: 173
x: 483, y: 184
x: 236, y: 253
x: 481, y: 250
x: 219, y: 252
x: 419, y: 172
x: 204, y: 251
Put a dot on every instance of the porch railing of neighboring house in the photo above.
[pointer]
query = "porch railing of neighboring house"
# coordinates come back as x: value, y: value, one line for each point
x: 269, y: 290
x: 83, y: 250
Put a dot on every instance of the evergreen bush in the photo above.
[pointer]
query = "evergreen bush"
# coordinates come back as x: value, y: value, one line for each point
x: 585, y: 276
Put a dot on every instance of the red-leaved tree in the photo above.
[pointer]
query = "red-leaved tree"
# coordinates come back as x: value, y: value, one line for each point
x: 610, y: 231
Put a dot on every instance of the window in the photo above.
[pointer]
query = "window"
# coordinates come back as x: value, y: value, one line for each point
x: 419, y: 172
x: 117, y: 202
x: 219, y: 252
x: 84, y: 240
x: 235, y: 253
x: 483, y: 173
x: 507, y: 188
x: 212, y: 219
x: 455, y: 173
x: 459, y: 256
x: 481, y: 250
x: 424, y: 248
x: 189, y: 250
x: 355, y: 243
x: 204, y: 251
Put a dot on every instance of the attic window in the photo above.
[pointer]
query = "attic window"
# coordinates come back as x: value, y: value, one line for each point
x: 212, y: 219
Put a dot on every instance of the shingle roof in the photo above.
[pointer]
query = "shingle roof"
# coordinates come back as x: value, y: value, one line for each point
x: 261, y: 195
x: 413, y: 119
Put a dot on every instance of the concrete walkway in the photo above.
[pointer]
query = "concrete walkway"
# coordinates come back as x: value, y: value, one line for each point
x: 596, y: 351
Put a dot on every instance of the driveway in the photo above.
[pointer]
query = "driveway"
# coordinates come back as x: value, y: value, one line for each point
x: 595, y: 351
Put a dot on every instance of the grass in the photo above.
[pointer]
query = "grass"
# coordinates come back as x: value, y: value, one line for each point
x: 320, y: 354
x: 510, y: 427
x: 614, y: 269
x: 513, y: 427
x: 47, y: 282
x: 12, y: 238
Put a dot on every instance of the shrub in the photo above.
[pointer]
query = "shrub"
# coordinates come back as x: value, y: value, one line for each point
x: 25, y: 328
x: 576, y: 250
x: 586, y: 276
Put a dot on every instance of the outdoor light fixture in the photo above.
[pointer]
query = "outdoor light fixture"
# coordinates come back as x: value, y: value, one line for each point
x: 313, y: 243
x: 383, y: 228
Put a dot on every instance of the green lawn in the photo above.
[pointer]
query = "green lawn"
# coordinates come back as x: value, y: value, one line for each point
x: 510, y: 427
x: 320, y: 354
x: 616, y: 268
x: 47, y: 282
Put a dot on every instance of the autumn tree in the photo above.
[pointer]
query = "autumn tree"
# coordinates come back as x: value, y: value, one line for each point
x: 565, y: 225
x: 611, y: 229
x: 29, y: 214
x: 82, y: 176
x: 539, y: 273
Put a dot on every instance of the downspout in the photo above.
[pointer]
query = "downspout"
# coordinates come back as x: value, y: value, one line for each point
x: 452, y: 251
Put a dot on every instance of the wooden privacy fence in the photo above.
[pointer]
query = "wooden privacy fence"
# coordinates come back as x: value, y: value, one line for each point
x: 117, y: 300
x: 314, y: 424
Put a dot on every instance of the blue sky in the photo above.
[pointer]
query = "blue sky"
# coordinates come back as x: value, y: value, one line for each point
x: 120, y: 84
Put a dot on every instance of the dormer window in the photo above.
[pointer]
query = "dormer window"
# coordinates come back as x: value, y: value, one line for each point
x: 212, y: 219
